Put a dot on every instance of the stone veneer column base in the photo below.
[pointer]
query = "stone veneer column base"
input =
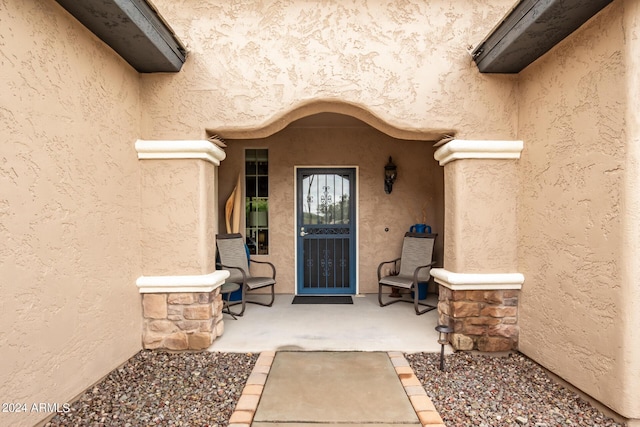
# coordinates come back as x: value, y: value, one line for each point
x: 482, y: 309
x: 181, y: 321
x: 181, y: 312
x: 481, y: 320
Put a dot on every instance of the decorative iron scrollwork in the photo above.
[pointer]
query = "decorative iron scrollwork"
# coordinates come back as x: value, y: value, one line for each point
x: 326, y: 198
x: 325, y: 230
x: 326, y: 263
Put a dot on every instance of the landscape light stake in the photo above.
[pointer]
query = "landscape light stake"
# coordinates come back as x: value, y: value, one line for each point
x: 443, y: 335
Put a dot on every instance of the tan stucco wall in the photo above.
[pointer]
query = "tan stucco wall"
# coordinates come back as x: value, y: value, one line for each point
x: 69, y: 208
x: 480, y: 212
x: 178, y: 217
x: 630, y: 208
x: 419, y: 184
x: 579, y: 304
x: 406, y: 62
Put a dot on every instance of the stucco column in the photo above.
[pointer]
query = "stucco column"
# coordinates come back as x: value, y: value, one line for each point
x: 181, y: 301
x: 479, y: 283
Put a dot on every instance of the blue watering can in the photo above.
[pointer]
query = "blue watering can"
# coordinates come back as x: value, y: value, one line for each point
x: 420, y: 228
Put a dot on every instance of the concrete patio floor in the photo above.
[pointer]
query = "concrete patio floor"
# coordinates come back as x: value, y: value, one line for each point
x: 362, y: 326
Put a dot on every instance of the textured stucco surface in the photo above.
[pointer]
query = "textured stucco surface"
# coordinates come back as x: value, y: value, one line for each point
x: 481, y: 221
x: 579, y: 173
x: 419, y: 185
x: 630, y: 286
x: 208, y: 216
x: 406, y: 62
x: 69, y: 208
x: 177, y: 235
x: 178, y: 217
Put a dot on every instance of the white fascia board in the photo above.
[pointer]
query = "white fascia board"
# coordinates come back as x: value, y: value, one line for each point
x: 180, y: 149
x: 171, y: 284
x: 477, y: 281
x: 478, y: 149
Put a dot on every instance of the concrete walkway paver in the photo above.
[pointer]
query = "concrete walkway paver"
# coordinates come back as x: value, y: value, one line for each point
x: 295, y: 389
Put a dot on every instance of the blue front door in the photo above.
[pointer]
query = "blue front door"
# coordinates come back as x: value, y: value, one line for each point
x: 326, y: 231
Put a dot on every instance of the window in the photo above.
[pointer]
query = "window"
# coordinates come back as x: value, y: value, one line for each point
x: 257, y: 200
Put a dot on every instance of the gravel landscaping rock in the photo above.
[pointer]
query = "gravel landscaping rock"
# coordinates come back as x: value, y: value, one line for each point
x: 168, y: 389
x: 202, y: 389
x: 484, y: 391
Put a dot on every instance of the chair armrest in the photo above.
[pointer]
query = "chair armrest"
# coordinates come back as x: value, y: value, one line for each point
x: 228, y: 267
x: 273, y: 267
x: 417, y: 270
x: 394, y: 261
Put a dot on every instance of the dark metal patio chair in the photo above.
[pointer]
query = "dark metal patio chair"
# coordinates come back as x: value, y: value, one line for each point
x: 233, y: 258
x: 414, y: 267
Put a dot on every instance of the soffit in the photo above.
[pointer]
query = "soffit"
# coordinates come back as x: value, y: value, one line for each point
x: 530, y: 30
x: 132, y: 28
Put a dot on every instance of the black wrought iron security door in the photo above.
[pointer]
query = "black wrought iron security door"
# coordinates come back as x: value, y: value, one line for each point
x: 326, y: 231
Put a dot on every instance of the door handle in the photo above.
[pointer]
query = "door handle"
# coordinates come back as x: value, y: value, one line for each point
x: 302, y: 232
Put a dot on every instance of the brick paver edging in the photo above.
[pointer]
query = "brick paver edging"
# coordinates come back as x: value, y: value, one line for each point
x: 422, y: 404
x: 248, y: 403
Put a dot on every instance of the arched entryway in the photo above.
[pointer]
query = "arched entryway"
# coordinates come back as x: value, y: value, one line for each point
x: 338, y: 136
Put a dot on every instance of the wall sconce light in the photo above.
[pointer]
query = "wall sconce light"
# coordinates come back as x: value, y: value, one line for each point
x: 390, y: 175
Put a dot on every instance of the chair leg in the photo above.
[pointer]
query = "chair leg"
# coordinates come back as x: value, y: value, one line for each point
x: 273, y: 295
x: 226, y: 308
x: 266, y: 304
x: 243, y: 301
x: 383, y: 304
x: 417, y: 303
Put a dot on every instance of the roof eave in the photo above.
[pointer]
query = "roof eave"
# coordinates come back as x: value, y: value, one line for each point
x: 134, y: 29
x: 530, y: 29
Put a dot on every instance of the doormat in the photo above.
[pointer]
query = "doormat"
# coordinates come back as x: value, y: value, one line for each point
x: 302, y: 299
